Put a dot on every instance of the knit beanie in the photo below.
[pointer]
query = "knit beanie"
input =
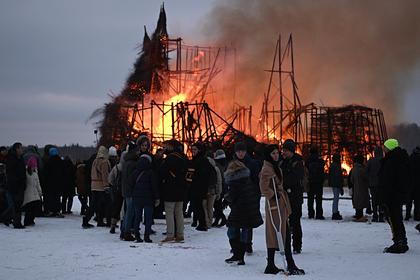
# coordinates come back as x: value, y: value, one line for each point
x: 391, y: 144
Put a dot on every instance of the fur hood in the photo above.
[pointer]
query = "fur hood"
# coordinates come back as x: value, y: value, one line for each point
x: 102, y: 152
x: 236, y: 170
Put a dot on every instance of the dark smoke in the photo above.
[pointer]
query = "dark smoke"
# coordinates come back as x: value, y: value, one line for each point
x: 345, y: 51
x: 408, y: 135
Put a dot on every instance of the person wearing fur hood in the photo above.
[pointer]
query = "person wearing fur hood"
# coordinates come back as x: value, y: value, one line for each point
x: 245, y: 214
x: 99, y: 176
x: 277, y: 202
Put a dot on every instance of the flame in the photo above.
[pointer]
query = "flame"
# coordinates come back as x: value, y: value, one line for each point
x: 164, y: 126
x: 346, y: 167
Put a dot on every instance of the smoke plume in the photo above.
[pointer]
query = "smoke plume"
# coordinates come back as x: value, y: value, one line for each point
x: 345, y: 51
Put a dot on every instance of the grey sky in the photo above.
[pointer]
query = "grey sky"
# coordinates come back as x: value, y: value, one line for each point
x: 59, y: 60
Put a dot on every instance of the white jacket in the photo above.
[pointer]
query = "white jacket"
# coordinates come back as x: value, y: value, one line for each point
x: 33, y: 190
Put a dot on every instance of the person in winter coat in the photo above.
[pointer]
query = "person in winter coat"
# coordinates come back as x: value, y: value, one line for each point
x: 173, y: 175
x: 245, y: 213
x: 200, y: 183
x: 335, y: 181
x: 6, y: 200
x: 157, y: 163
x: 372, y: 169
x: 69, y: 188
x: 214, y: 191
x: 16, y: 181
x: 360, y: 181
x: 99, y: 177
x: 144, y: 144
x: 145, y: 196
x: 293, y: 172
x: 54, y: 182
x: 33, y: 193
x: 241, y: 154
x: 315, y: 167
x: 220, y: 159
x: 393, y: 185
x: 277, y: 203
x: 115, y: 181
x: 127, y: 185
x: 414, y: 193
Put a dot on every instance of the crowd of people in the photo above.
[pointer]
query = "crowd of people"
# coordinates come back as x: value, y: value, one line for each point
x: 123, y: 189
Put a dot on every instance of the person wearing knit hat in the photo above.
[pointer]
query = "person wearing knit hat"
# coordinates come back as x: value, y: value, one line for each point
x: 255, y: 168
x: 53, y: 174
x: 393, y: 182
x: 53, y: 152
x: 113, y: 156
x: 33, y: 193
x: 293, y: 173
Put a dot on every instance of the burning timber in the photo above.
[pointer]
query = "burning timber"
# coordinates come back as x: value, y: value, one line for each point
x: 165, y: 97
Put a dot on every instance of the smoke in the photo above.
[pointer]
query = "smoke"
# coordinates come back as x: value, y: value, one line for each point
x: 408, y: 135
x: 346, y: 52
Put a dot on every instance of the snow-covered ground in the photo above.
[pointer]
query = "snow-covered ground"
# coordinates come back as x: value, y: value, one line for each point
x: 60, y: 249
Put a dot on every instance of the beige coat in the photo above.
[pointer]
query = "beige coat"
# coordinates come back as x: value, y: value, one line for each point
x: 100, y: 170
x: 267, y: 190
x: 33, y: 190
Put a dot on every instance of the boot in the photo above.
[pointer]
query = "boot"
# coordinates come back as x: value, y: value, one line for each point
x: 85, y: 223
x: 248, y: 248
x: 113, y: 225
x: 128, y: 237
x: 418, y: 227
x: 223, y: 222
x: 147, y: 239
x: 271, y: 267
x: 234, y: 244
x: 375, y: 218
x: 337, y: 216
x: 399, y: 247
x: 138, y: 238
x: 292, y: 269
x: 215, y: 223
x: 201, y: 228
x: 241, y: 252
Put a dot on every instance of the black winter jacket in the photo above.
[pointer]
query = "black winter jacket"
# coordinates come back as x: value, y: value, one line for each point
x: 145, y: 186
x: 293, y: 172
x: 54, y: 176
x: 173, y: 172
x: 394, y: 177
x: 315, y: 167
x: 127, y: 178
x: 201, y: 177
x: 16, y: 175
x: 244, y: 200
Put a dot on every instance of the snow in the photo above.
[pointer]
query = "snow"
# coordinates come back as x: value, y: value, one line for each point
x: 60, y: 249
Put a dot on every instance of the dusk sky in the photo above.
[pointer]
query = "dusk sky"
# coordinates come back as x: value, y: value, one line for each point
x: 60, y: 59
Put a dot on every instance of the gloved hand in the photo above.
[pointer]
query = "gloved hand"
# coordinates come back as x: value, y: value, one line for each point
x: 157, y: 202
